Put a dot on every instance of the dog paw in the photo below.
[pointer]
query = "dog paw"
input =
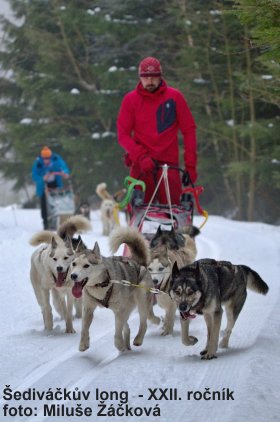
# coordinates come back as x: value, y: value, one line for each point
x: 137, y: 341
x: 122, y: 349
x: 223, y: 343
x: 48, y: 327
x: 83, y: 347
x: 205, y: 355
x: 190, y: 341
x: 119, y: 344
x: 208, y: 356
x: 167, y: 331
x: 70, y: 330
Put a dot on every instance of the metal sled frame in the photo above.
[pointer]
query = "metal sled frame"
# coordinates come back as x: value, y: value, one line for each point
x: 60, y: 205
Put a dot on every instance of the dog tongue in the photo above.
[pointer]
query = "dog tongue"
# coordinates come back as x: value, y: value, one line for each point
x: 77, y: 290
x: 186, y: 315
x: 60, y: 279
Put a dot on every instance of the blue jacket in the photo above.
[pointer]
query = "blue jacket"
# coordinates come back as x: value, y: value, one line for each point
x: 39, y: 170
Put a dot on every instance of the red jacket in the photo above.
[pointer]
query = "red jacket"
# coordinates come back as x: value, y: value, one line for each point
x: 148, y: 124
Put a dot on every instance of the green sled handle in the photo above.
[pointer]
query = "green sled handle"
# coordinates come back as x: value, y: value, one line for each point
x: 130, y: 183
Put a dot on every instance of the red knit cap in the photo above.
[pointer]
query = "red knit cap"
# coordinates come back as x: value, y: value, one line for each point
x: 46, y: 152
x: 150, y: 66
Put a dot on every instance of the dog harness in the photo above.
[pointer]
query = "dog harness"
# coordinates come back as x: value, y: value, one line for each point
x: 105, y: 302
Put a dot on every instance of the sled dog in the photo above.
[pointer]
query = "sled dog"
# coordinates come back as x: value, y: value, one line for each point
x: 204, y: 286
x: 96, y: 276
x: 84, y: 209
x: 108, y: 209
x: 174, y: 239
x: 168, y: 247
x: 49, y: 270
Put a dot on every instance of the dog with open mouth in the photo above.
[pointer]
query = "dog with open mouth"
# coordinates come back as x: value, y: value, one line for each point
x: 166, y: 248
x: 49, y: 271
x: 206, y: 285
x: 117, y: 283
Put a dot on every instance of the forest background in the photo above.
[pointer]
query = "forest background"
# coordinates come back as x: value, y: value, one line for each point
x: 66, y: 66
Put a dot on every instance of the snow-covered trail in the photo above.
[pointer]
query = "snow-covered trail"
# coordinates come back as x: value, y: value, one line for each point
x: 32, y: 359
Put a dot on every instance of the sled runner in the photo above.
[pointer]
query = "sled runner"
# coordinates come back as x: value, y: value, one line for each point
x: 60, y: 204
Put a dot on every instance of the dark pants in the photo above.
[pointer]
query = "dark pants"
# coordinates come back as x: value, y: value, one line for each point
x: 44, y: 211
x: 151, y: 180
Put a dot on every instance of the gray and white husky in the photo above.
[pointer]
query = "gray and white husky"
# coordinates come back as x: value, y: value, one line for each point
x: 168, y: 247
x: 49, y: 270
x: 204, y: 286
x: 97, y: 277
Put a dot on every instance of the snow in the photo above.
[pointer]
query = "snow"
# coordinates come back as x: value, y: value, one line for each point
x: 215, y: 12
x: 26, y: 121
x: 113, y: 69
x: 75, y: 91
x: 200, y: 81
x: 230, y: 122
x: 35, y: 361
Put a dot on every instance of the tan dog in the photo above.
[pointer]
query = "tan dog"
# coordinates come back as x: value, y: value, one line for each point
x: 109, y: 211
x: 49, y: 270
x: 168, y: 247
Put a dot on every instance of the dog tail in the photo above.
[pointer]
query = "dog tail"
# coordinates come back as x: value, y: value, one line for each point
x: 44, y: 236
x: 254, y: 281
x: 74, y: 224
x: 102, y: 192
x: 134, y: 240
x: 118, y: 196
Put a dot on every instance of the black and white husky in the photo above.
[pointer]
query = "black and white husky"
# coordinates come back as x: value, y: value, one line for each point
x: 204, y: 287
x: 168, y: 247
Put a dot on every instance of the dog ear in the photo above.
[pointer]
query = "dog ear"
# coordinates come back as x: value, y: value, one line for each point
x: 96, y: 250
x: 174, y: 272
x: 154, y: 241
x: 192, y: 231
x: 80, y: 245
x: 54, y: 244
x: 175, y: 269
x: 159, y: 231
x: 68, y: 243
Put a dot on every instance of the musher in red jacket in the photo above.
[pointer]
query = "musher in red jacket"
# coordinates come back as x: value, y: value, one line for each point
x: 148, y: 123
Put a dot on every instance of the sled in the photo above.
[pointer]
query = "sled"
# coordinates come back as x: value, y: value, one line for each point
x: 60, y: 204
x: 148, y: 217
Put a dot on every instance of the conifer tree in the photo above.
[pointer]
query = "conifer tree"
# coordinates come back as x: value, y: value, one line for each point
x: 70, y: 64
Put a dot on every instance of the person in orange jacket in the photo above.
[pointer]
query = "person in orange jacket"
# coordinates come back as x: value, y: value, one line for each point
x: 148, y: 123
